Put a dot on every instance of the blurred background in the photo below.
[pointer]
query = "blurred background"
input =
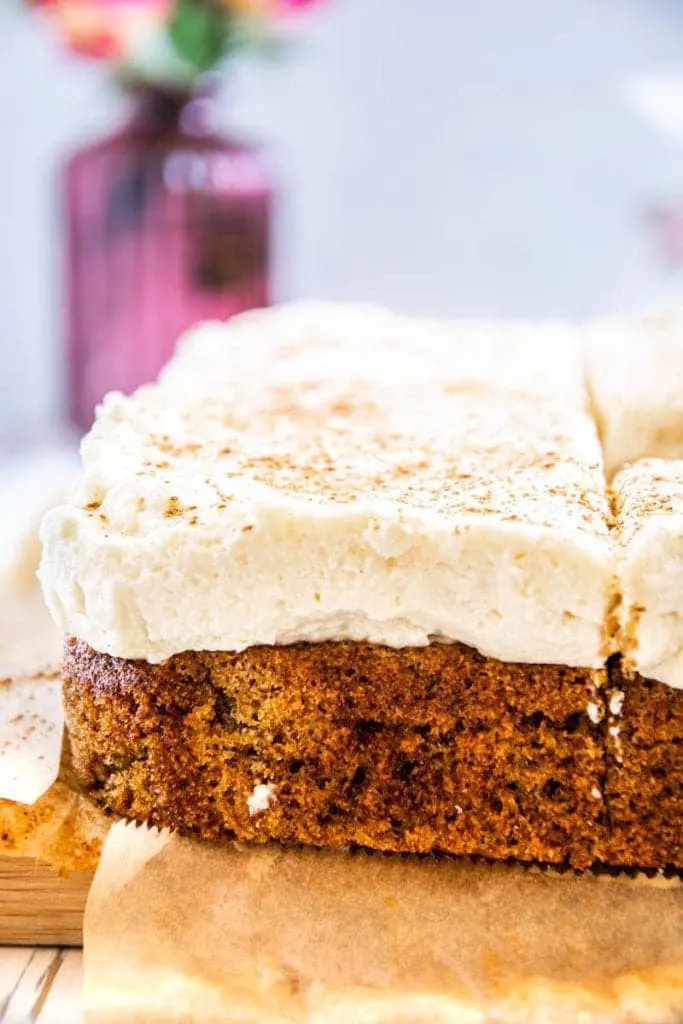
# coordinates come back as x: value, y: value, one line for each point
x: 490, y: 159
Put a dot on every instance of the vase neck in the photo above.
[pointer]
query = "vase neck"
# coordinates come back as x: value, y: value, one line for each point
x: 159, y: 113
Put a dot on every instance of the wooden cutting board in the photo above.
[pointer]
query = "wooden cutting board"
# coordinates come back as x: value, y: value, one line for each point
x: 37, y: 907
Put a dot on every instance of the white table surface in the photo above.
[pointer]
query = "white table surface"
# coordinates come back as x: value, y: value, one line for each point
x: 40, y: 985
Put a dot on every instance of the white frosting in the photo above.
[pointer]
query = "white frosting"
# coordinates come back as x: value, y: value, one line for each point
x: 649, y: 521
x: 635, y: 377
x: 544, y: 359
x: 306, y: 342
x: 321, y: 473
x: 261, y: 798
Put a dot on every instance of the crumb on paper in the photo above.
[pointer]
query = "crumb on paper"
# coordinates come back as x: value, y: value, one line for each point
x: 262, y: 797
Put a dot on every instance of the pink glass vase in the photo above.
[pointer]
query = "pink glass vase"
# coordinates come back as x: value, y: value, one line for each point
x: 167, y: 223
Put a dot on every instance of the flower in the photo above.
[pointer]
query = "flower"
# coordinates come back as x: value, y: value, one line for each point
x: 169, y: 42
x: 107, y: 29
x: 267, y: 8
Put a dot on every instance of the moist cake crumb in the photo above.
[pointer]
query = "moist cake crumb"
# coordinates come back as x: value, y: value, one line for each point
x: 414, y: 750
x: 644, y: 779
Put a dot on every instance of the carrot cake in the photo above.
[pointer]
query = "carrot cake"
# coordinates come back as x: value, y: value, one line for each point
x: 644, y: 784
x: 326, y: 584
x: 635, y: 378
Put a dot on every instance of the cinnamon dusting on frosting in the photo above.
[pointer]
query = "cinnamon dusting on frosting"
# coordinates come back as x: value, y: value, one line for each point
x: 400, y: 489
x: 644, y: 489
x: 457, y: 452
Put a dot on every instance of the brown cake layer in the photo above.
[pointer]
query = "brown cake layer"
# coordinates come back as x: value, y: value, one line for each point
x: 644, y: 785
x: 415, y: 750
x: 421, y: 749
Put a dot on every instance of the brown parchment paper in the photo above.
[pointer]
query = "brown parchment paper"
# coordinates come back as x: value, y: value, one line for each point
x: 179, y: 930
x: 61, y: 828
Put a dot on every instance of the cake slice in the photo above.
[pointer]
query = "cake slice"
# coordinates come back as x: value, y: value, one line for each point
x: 648, y: 509
x: 645, y: 721
x: 324, y: 585
x: 635, y: 378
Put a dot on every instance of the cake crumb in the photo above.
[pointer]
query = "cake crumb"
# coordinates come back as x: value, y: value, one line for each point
x: 616, y: 702
x: 595, y: 712
x: 263, y: 795
x: 614, y: 732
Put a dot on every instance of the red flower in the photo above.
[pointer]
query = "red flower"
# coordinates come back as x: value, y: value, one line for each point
x: 103, y: 45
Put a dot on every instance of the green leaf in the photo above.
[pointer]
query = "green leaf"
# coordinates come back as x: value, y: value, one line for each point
x: 255, y: 34
x: 199, y: 32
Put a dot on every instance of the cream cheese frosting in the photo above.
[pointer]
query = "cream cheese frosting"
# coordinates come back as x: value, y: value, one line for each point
x: 323, y: 473
x: 635, y: 378
x: 648, y: 503
x: 308, y: 340
x: 544, y: 358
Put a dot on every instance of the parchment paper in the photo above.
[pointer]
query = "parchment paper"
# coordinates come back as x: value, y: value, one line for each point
x: 31, y: 730
x: 42, y: 814
x: 31, y: 715
x: 179, y: 930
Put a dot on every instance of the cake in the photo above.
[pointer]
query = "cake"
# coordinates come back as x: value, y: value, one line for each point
x: 332, y: 582
x: 645, y: 731
x: 635, y: 379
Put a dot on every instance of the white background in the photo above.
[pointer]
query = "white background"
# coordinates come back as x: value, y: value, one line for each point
x: 441, y: 156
